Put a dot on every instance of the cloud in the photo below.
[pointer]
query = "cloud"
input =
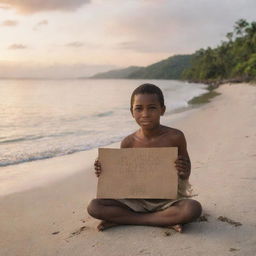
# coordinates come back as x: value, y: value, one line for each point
x: 78, y: 44
x: 40, y: 24
x: 140, y: 46
x: 10, y: 23
x: 33, y: 6
x: 4, y: 7
x: 75, y: 44
x: 54, y: 71
x: 176, y: 26
x: 17, y: 47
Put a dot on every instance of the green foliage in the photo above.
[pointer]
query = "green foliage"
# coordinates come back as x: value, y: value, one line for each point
x: 250, y: 67
x: 232, y: 59
x: 171, y: 68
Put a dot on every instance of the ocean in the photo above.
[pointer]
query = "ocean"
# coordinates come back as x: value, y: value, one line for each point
x: 48, y: 118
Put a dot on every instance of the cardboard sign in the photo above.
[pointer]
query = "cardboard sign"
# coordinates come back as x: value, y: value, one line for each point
x: 138, y: 173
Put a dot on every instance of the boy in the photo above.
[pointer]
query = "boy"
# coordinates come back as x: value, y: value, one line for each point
x: 147, y: 105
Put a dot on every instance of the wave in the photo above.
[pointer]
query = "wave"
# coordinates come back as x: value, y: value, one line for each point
x: 107, y: 113
x: 38, y: 137
x: 39, y: 156
x: 22, y: 158
x: 29, y: 137
x: 73, y: 138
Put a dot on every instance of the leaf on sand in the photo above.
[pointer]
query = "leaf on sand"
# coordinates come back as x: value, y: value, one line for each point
x: 202, y: 218
x: 229, y: 221
x: 167, y: 233
x: 79, y: 231
x: 233, y: 250
x: 55, y: 233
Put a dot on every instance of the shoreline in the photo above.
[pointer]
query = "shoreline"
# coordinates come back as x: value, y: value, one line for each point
x: 51, y: 218
x: 16, y: 157
x: 15, y: 178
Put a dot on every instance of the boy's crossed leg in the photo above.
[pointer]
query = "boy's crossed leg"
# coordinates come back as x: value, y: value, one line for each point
x: 113, y: 213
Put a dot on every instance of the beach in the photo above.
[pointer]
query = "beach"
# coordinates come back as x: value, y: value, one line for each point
x: 47, y: 216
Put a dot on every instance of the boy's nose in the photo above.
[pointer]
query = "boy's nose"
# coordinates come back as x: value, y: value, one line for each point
x: 145, y: 113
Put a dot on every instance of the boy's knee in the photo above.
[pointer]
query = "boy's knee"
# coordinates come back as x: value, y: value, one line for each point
x: 192, y: 209
x: 94, y: 208
x: 196, y: 208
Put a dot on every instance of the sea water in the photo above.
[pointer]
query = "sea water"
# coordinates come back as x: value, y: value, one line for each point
x: 47, y: 118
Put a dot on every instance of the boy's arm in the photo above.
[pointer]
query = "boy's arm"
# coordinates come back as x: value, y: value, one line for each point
x: 183, y: 163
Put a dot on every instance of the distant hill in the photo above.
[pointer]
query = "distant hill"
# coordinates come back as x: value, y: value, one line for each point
x: 118, y: 73
x: 171, y: 68
x: 233, y: 60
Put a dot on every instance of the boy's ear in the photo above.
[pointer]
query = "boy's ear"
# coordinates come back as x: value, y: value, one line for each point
x: 131, y: 111
x: 163, y: 110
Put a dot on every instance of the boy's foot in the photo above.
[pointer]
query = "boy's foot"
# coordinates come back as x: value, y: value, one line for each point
x: 105, y: 225
x: 177, y: 228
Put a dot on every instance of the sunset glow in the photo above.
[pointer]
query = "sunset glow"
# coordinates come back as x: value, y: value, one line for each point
x: 83, y: 37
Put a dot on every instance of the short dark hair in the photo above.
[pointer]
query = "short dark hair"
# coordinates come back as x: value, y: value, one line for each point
x: 148, y: 89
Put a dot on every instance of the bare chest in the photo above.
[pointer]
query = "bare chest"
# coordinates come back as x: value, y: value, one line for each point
x: 158, y: 142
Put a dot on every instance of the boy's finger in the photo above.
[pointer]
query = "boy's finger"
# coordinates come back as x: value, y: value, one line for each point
x: 181, y: 161
x: 180, y: 169
x: 180, y: 157
x: 181, y: 165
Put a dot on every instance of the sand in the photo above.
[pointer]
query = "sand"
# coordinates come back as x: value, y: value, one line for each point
x: 43, y: 209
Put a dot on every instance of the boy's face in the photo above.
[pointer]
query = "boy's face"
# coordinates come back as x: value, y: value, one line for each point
x: 147, y: 110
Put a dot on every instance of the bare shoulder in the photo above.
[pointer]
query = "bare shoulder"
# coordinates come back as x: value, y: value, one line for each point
x: 128, y: 141
x: 174, y: 134
x: 177, y: 138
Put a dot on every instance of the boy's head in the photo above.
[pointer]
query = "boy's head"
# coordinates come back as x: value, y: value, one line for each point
x: 148, y: 89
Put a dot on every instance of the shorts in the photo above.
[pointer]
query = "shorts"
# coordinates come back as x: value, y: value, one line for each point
x: 152, y: 205
x: 147, y: 205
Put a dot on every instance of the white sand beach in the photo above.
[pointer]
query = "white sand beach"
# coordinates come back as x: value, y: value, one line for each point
x: 43, y: 203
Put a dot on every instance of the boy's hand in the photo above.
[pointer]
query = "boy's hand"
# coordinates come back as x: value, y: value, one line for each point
x: 97, y: 167
x: 182, y: 165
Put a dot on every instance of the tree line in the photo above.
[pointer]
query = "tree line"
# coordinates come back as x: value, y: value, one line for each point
x: 233, y: 60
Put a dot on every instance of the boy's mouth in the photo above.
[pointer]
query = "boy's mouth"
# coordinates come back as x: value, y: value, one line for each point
x: 146, y: 122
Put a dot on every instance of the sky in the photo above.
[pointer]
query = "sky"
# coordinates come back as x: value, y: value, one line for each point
x: 73, y: 38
